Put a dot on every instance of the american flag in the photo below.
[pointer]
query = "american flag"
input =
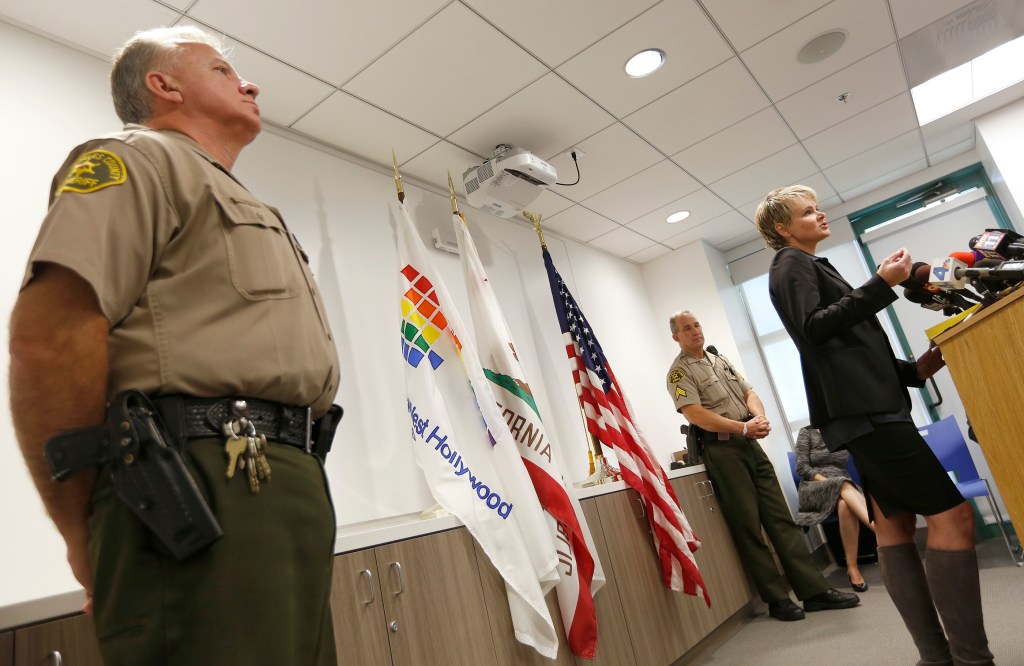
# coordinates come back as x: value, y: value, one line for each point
x: 610, y: 419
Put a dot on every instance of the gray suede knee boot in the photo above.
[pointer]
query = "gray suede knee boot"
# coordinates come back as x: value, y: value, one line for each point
x: 905, y: 581
x: 956, y: 591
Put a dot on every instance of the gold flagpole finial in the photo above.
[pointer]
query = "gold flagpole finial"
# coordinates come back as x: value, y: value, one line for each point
x: 535, y: 219
x: 398, y: 178
x: 451, y: 195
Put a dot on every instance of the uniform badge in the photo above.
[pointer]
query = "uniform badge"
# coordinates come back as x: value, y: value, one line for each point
x: 676, y: 376
x: 680, y: 393
x: 93, y: 171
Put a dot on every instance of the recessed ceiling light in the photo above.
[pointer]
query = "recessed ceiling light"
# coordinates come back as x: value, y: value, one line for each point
x: 677, y: 217
x: 821, y: 47
x: 646, y: 62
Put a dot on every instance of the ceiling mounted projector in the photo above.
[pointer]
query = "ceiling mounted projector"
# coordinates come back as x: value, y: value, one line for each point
x: 508, y: 182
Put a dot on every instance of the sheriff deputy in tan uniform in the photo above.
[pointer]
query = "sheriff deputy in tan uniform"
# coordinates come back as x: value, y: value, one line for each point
x: 712, y: 395
x: 155, y: 269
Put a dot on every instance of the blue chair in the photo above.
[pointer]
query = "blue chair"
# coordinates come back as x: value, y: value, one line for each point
x: 947, y: 442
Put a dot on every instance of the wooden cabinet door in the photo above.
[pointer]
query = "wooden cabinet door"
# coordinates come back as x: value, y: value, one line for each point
x: 613, y: 644
x: 662, y: 624
x: 509, y: 651
x: 74, y: 638
x: 360, y: 632
x: 717, y: 559
x: 7, y: 648
x: 433, y: 601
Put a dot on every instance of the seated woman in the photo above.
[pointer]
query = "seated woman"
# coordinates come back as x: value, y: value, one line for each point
x: 827, y: 487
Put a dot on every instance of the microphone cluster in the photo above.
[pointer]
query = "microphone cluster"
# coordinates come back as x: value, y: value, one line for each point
x: 995, y: 263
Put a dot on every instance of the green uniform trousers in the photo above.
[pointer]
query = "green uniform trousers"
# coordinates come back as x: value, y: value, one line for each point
x: 749, y: 493
x: 259, y: 595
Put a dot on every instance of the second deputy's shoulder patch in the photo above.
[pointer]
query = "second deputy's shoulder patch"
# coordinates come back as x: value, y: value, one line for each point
x: 676, y: 376
x: 93, y: 171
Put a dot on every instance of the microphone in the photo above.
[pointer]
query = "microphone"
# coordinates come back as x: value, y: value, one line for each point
x: 1001, y: 244
x: 951, y: 272
x: 711, y: 348
x: 930, y: 300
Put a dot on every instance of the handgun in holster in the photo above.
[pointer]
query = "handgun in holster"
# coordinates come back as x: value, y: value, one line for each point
x: 695, y: 438
x: 148, y: 473
x: 322, y: 433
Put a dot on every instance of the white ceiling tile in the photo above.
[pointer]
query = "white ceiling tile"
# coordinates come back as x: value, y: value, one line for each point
x: 546, y: 118
x: 940, y: 156
x: 102, y: 32
x: 869, y: 81
x: 357, y: 127
x: 285, y: 93
x: 885, y: 179
x: 912, y: 15
x: 612, y: 155
x: 872, y: 127
x: 826, y: 195
x: 746, y: 22
x: 831, y: 202
x: 549, y: 203
x: 821, y: 187
x: 579, y: 223
x: 622, y: 242
x: 728, y: 151
x: 938, y: 136
x: 567, y: 26
x: 875, y: 163
x: 691, y: 44
x: 447, y: 73
x: 735, y: 241
x: 639, y: 194
x: 782, y: 168
x: 329, y: 39
x: 702, y: 204
x: 720, y: 230
x: 435, y: 163
x: 695, y: 111
x: 773, y: 62
x: 650, y: 254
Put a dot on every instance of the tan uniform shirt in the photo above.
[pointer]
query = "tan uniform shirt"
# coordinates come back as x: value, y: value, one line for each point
x: 711, y: 382
x: 206, y: 290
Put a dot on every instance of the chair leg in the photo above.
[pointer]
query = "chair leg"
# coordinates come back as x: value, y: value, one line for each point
x: 1015, y: 551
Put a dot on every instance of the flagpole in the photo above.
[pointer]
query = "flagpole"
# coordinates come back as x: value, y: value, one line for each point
x: 455, y: 203
x: 398, y: 178
x: 597, y: 472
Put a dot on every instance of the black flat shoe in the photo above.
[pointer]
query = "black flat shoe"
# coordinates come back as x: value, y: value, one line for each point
x: 859, y: 587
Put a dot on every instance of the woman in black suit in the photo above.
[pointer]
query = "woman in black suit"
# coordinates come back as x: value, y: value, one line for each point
x: 857, y: 397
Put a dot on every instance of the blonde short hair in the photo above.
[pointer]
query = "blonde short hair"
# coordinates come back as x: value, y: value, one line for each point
x: 146, y: 51
x: 777, y: 209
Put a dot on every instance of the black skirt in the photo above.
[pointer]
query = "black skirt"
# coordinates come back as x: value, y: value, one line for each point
x: 900, y: 472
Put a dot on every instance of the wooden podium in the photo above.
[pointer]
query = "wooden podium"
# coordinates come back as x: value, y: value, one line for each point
x: 985, y: 356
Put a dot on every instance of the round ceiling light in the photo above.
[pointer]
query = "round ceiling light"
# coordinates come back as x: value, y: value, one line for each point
x: 646, y: 62
x: 821, y: 47
x: 677, y: 217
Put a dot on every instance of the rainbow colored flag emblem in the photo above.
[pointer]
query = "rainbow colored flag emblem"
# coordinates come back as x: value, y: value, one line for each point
x: 422, y: 319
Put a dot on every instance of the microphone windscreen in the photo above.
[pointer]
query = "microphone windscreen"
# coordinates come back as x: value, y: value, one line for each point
x: 916, y: 296
x: 988, y: 263
x: 711, y: 348
x: 965, y: 257
x: 920, y: 272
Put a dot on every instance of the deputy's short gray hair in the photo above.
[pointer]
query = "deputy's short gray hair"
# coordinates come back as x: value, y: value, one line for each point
x: 158, y: 48
x: 672, y: 325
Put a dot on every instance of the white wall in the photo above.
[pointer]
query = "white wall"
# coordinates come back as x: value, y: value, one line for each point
x: 341, y: 210
x: 999, y: 136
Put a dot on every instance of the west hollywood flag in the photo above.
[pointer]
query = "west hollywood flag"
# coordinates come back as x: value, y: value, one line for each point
x: 468, y: 456
x: 577, y: 582
x: 610, y: 419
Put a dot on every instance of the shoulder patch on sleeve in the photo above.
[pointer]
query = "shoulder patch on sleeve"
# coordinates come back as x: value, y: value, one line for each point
x: 93, y: 171
x: 676, y: 376
x: 680, y: 393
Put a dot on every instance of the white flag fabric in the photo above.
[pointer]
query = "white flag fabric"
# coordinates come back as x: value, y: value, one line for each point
x: 580, y: 572
x: 464, y: 447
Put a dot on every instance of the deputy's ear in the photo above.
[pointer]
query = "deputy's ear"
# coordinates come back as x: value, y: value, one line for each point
x: 164, y: 86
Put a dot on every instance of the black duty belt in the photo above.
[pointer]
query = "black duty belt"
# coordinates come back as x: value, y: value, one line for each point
x: 189, y: 418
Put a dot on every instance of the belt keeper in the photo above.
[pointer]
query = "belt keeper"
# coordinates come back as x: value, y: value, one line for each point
x: 309, y: 429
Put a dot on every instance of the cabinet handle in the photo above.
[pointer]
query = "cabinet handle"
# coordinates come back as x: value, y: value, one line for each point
x: 711, y: 493
x: 643, y: 512
x: 401, y: 580
x: 56, y: 658
x: 393, y: 626
x: 369, y: 582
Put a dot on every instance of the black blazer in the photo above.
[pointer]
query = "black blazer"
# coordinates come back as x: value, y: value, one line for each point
x: 848, y: 364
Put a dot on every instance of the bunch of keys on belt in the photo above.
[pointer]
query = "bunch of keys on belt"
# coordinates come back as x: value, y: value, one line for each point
x: 246, y: 452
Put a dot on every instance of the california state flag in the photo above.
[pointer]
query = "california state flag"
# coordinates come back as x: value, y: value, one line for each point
x: 464, y: 447
x: 580, y: 575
